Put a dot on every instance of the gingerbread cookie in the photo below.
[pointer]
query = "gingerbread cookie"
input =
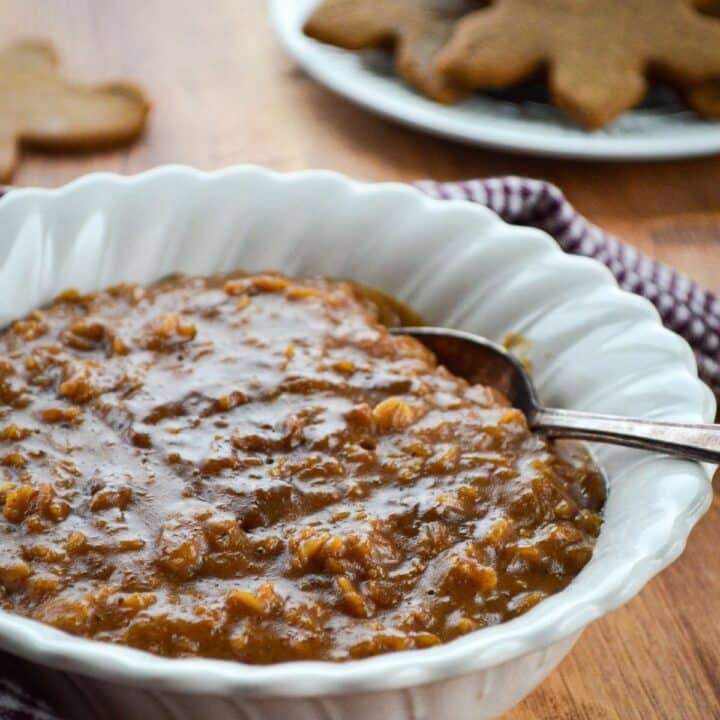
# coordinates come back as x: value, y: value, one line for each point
x: 39, y: 108
x: 704, y: 99
x: 418, y: 29
x: 710, y: 7
x: 597, y: 54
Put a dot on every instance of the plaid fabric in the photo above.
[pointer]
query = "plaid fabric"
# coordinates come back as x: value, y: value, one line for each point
x: 684, y: 306
x: 16, y: 703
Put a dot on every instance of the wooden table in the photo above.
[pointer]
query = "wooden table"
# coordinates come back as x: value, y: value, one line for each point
x: 225, y: 92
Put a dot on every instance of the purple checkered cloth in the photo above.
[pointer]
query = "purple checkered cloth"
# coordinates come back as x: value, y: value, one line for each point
x: 17, y: 703
x: 684, y: 306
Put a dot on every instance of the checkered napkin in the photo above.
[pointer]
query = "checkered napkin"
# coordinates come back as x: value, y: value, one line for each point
x: 16, y: 703
x: 683, y: 305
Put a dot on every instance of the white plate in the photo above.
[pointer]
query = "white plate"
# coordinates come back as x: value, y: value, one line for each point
x: 663, y: 129
x: 591, y: 345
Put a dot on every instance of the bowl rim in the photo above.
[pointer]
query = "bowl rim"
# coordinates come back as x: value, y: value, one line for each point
x: 482, y: 649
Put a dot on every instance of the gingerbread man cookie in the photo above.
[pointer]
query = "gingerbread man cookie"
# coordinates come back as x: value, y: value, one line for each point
x: 711, y: 7
x: 704, y: 99
x: 597, y: 54
x: 418, y: 29
x: 38, y: 108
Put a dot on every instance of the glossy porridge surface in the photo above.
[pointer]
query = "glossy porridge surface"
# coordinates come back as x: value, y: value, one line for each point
x: 253, y: 468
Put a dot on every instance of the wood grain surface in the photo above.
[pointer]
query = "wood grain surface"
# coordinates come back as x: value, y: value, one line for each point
x: 224, y: 92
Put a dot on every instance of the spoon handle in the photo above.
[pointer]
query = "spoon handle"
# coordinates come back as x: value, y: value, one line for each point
x: 694, y: 442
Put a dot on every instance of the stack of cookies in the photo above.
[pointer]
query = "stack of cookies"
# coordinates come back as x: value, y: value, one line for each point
x: 598, y: 55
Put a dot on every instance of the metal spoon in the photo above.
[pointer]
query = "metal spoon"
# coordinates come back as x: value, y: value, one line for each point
x: 483, y: 362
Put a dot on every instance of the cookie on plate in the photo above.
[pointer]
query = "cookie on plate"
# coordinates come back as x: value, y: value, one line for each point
x: 417, y: 29
x: 39, y: 108
x: 704, y: 99
x: 710, y: 7
x: 597, y: 54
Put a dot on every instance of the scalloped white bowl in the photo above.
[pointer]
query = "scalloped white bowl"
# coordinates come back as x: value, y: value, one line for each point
x: 592, y: 347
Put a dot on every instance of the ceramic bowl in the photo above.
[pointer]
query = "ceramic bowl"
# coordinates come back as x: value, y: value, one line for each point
x: 591, y: 345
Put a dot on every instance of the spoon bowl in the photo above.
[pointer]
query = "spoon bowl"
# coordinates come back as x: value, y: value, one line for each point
x: 481, y: 361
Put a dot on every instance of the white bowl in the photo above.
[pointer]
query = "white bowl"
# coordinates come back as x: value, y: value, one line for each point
x: 592, y: 347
